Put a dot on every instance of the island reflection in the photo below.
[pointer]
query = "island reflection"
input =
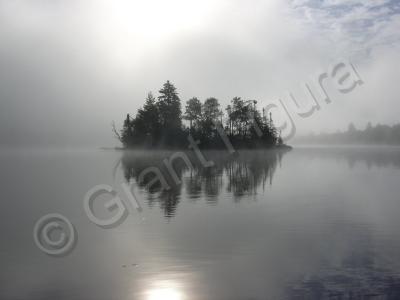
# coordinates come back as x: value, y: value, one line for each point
x: 239, y: 174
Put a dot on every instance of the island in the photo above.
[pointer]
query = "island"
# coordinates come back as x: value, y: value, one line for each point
x: 160, y: 124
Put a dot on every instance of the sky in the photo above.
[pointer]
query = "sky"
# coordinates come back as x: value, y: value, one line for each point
x: 69, y: 68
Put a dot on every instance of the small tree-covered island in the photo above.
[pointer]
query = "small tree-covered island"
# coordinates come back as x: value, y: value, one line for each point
x: 161, y: 124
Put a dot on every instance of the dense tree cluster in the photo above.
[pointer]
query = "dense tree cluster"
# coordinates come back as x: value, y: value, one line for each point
x: 159, y: 123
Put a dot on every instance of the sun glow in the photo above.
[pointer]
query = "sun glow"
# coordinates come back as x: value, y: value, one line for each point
x: 164, y: 290
x: 132, y: 27
x: 164, y: 294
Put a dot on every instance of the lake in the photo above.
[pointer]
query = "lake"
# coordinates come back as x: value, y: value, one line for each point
x: 310, y: 223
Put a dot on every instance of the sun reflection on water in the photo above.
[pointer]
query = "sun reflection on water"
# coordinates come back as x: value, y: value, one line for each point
x: 164, y: 290
x: 164, y: 294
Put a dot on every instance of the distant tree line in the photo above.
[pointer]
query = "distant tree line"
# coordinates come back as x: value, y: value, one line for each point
x: 378, y: 134
x: 160, y: 123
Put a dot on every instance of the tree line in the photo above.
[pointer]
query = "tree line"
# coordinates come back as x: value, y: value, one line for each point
x: 378, y: 134
x: 160, y: 123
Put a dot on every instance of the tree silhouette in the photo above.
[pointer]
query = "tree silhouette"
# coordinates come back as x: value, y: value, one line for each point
x: 211, y: 110
x: 169, y: 106
x: 159, y: 123
x: 170, y: 115
x: 193, y: 112
x: 146, y: 124
x: 127, y: 136
x: 352, y: 128
x: 211, y: 115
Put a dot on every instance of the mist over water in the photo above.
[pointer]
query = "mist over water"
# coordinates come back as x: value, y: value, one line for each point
x: 311, y: 223
x: 84, y: 218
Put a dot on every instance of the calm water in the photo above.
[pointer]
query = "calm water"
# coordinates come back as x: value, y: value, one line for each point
x: 312, y: 223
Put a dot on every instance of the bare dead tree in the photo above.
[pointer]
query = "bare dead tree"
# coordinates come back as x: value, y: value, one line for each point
x: 115, y: 131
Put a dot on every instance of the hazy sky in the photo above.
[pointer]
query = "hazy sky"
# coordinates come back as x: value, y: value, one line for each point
x: 69, y: 68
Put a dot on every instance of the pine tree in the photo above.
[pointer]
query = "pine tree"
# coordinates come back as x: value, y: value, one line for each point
x: 146, y: 123
x: 127, y: 132
x: 151, y: 115
x: 169, y: 106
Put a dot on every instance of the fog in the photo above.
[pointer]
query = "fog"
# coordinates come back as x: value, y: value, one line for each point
x: 70, y: 68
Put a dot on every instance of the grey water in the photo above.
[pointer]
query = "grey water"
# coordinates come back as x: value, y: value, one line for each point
x: 310, y: 223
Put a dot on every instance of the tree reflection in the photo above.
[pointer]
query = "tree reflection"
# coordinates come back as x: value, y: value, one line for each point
x: 238, y: 175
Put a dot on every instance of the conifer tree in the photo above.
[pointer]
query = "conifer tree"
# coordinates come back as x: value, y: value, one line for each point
x: 169, y: 106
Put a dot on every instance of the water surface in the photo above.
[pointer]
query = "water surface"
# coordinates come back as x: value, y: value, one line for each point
x: 312, y: 223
